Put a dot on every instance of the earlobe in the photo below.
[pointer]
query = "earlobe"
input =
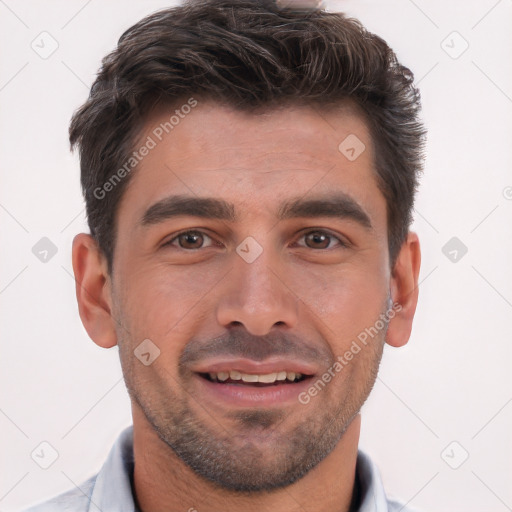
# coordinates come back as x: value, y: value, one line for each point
x: 93, y: 290
x: 404, y: 291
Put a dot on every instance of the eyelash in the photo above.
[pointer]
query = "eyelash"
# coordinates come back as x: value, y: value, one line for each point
x: 342, y: 244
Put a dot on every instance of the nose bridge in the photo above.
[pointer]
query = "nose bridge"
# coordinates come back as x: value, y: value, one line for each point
x: 257, y: 295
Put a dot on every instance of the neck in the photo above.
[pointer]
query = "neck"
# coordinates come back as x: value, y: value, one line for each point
x: 163, y: 482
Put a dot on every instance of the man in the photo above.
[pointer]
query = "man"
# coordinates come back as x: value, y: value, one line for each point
x: 249, y: 171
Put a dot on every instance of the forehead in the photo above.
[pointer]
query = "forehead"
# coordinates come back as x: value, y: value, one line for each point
x: 252, y: 159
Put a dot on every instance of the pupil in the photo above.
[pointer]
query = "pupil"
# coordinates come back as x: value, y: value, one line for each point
x: 191, y: 239
x: 319, y: 238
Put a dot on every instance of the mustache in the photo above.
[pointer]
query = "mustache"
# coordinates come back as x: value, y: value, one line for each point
x: 241, y: 343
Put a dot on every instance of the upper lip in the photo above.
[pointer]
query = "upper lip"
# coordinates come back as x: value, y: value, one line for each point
x: 255, y: 367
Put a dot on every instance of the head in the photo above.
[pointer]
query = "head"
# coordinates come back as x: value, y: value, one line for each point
x: 249, y: 174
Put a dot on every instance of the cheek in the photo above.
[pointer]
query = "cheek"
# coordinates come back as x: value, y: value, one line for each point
x: 161, y: 299
x: 346, y: 300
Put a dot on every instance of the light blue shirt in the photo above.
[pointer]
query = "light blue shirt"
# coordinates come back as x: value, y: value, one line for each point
x: 111, y: 489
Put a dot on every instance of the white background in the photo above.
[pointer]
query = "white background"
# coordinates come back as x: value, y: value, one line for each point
x: 452, y: 382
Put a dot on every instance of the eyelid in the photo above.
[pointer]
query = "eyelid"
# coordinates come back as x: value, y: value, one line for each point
x: 343, y: 242
x: 185, y: 231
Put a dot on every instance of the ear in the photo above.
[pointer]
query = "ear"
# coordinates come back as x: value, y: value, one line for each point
x: 93, y: 290
x: 404, y: 291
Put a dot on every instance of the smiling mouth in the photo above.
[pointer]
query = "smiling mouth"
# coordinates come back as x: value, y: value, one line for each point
x: 235, y: 377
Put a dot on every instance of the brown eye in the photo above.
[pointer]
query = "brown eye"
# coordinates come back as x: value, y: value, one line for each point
x: 190, y: 240
x: 317, y: 240
x: 321, y: 240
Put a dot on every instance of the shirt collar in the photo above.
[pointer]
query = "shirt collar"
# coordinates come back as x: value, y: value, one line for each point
x: 113, y: 487
x: 373, y: 497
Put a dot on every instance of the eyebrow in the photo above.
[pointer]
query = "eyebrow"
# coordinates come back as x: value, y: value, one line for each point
x: 339, y: 205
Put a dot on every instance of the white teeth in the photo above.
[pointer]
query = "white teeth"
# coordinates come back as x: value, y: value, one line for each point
x: 246, y: 377
x: 267, y: 378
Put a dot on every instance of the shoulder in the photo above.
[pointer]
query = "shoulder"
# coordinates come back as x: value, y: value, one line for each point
x: 74, y: 500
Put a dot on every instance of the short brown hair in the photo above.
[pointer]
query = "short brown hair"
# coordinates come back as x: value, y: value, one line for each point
x: 249, y: 54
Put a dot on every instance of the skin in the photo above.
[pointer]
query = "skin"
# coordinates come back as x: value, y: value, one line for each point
x: 298, y: 297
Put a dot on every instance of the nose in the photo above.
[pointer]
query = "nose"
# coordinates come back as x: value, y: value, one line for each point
x: 258, y: 296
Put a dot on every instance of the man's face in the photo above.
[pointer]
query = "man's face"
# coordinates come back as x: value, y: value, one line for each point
x: 274, y: 281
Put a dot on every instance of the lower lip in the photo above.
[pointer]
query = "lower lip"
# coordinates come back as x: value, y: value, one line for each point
x: 244, y: 395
